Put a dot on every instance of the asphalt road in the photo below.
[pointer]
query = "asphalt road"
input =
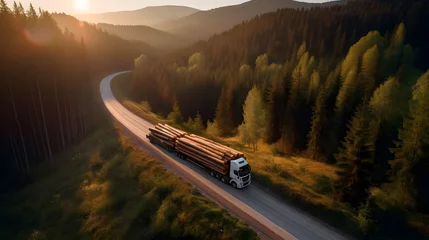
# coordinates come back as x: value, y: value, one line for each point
x: 269, y: 216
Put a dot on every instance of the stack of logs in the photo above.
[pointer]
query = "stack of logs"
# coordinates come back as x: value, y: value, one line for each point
x: 207, y: 152
x: 165, y: 134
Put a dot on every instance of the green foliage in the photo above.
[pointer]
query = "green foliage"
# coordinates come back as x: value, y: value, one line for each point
x: 196, y: 61
x: 197, y: 125
x: 245, y: 74
x: 354, y: 161
x: 393, y: 54
x: 365, y: 218
x: 318, y: 147
x: 383, y: 100
x: 128, y: 196
x: 146, y: 106
x: 213, y: 129
x: 315, y: 83
x: 323, y: 185
x: 140, y: 62
x: 254, y: 115
x: 224, y: 111
x: 369, y: 69
x: 410, y: 167
x: 357, y: 50
x: 175, y: 115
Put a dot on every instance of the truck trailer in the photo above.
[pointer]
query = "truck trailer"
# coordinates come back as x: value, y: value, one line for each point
x: 224, y: 163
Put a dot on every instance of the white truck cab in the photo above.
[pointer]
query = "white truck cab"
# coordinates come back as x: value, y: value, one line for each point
x: 239, y: 173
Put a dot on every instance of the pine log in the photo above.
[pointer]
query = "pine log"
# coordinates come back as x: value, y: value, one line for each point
x: 165, y: 138
x: 161, y: 140
x: 233, y: 151
x: 221, y: 169
x: 162, y: 133
x: 200, y: 146
x: 175, y: 129
x: 199, y: 151
x: 161, y: 128
x: 212, y: 146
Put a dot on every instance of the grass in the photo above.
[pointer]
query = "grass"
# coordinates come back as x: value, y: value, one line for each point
x: 107, y: 189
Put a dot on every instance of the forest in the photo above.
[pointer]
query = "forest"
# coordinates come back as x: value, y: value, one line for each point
x: 48, y: 88
x: 345, y: 85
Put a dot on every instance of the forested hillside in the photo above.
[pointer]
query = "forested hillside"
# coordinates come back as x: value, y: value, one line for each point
x: 48, y: 93
x: 344, y: 85
x: 147, y: 16
x: 204, y: 24
x: 152, y: 36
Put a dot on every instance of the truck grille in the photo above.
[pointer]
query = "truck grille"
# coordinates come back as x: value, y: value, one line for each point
x: 246, y: 178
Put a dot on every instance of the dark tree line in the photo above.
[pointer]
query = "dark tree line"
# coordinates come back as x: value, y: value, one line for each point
x: 49, y: 83
x: 343, y: 85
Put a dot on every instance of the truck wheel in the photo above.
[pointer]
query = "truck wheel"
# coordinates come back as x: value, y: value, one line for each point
x: 212, y: 174
x: 234, y: 185
x: 224, y: 180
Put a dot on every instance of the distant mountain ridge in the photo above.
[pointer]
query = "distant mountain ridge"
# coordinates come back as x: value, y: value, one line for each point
x: 146, y: 16
x: 203, y: 24
x: 154, y: 37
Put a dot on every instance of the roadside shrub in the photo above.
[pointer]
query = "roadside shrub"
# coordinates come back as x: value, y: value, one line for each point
x: 323, y: 185
x: 109, y: 148
x: 365, y: 218
x: 146, y: 107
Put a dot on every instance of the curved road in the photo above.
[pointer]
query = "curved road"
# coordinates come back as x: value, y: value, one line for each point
x: 270, y: 217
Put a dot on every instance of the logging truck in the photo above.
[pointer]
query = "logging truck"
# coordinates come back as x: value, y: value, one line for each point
x: 222, y: 162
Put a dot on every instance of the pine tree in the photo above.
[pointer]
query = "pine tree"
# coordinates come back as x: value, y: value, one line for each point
x: 318, y: 146
x: 4, y: 9
x: 369, y: 70
x: 315, y: 83
x: 32, y: 15
x: 410, y: 169
x: 353, y: 161
x: 224, y: 111
x: 212, y: 128
x: 393, y: 54
x: 385, y: 116
x: 197, y: 125
x: 175, y: 115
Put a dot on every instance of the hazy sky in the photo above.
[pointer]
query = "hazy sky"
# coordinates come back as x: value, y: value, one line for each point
x: 98, y: 6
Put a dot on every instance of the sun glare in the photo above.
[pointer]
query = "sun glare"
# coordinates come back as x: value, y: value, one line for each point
x: 81, y: 5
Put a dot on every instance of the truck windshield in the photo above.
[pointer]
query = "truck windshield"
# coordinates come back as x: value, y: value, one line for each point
x: 244, y: 170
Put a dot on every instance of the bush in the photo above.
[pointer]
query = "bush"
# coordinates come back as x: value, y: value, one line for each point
x: 366, y: 222
x: 323, y: 185
x: 146, y: 107
x: 110, y: 148
x: 213, y: 129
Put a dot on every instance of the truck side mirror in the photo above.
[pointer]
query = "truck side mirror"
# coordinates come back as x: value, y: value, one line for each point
x: 235, y: 172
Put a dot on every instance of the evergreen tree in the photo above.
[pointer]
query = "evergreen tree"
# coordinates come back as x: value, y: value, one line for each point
x: 175, y: 115
x: 385, y: 117
x: 318, y: 146
x: 224, y: 111
x: 315, y: 83
x: 409, y: 174
x: 369, y: 70
x: 393, y: 54
x: 354, y: 162
x: 197, y: 125
x: 212, y: 129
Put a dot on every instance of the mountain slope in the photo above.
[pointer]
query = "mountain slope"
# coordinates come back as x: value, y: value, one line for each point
x: 154, y: 37
x: 145, y: 16
x: 100, y: 43
x: 203, y: 24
